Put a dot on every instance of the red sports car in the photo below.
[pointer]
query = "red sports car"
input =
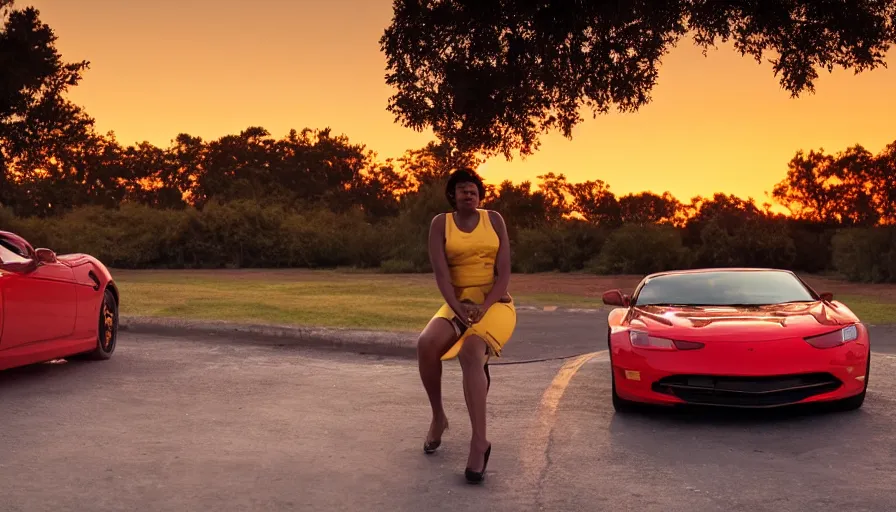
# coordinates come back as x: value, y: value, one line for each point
x: 53, y: 307
x: 746, y: 338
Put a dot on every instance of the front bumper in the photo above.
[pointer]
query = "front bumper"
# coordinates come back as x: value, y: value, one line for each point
x: 740, y: 374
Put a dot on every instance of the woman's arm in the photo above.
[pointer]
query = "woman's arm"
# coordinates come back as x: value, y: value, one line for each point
x: 502, y: 262
x: 439, y: 263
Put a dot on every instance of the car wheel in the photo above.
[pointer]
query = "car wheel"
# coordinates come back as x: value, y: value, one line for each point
x: 107, y: 334
x: 619, y: 404
x: 854, y: 402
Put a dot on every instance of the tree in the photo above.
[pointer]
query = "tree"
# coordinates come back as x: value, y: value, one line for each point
x: 853, y: 188
x: 522, y: 207
x: 884, y: 170
x: 491, y: 76
x: 38, y: 127
x: 649, y: 208
x: 594, y: 201
x: 433, y: 163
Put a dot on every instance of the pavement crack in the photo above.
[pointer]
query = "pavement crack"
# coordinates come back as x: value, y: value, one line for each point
x: 548, y: 463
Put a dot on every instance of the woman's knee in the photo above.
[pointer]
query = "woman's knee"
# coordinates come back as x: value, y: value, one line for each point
x: 426, y: 345
x: 435, y: 340
x: 473, y: 352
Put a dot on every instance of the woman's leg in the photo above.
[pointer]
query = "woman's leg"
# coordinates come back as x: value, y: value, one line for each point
x: 435, y: 340
x: 472, y: 360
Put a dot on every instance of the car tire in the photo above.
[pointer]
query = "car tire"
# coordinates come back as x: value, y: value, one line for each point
x: 620, y: 405
x: 854, y: 402
x: 107, y: 332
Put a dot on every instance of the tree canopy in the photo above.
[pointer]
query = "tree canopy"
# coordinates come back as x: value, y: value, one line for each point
x: 312, y: 198
x: 492, y: 76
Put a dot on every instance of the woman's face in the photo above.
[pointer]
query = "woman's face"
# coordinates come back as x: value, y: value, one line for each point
x: 466, y: 196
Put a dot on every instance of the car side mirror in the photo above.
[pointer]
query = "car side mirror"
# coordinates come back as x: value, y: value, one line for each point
x: 616, y: 298
x: 827, y: 296
x: 45, y: 256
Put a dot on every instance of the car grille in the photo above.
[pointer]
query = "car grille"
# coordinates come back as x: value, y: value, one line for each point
x: 747, y: 391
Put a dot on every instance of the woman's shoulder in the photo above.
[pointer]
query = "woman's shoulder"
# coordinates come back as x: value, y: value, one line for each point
x: 493, y: 215
x: 438, y: 221
x: 495, y: 219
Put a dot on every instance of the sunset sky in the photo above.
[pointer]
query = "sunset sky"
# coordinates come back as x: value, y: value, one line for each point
x: 211, y: 68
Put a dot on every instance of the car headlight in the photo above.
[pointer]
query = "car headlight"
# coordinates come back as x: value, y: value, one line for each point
x: 834, y: 339
x: 641, y: 339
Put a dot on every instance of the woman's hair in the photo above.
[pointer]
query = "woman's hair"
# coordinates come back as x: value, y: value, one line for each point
x: 462, y: 175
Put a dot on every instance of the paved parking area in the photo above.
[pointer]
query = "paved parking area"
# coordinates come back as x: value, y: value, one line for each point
x: 174, y: 424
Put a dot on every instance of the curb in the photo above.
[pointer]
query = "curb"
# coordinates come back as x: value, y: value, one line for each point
x: 401, y: 344
x: 384, y: 343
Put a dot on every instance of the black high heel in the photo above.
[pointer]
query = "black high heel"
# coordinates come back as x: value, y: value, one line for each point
x: 475, y: 477
x: 430, y: 447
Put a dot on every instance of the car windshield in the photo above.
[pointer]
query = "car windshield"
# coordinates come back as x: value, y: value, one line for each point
x: 723, y: 288
x: 8, y: 256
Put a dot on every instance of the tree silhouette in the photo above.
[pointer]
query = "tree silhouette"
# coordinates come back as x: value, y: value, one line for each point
x: 649, y: 208
x: 491, y: 76
x: 40, y: 131
x: 313, y: 198
x: 595, y: 203
x: 853, y: 188
x: 523, y: 207
x: 884, y: 173
x: 433, y: 163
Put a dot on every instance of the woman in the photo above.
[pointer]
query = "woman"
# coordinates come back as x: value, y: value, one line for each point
x: 470, y: 254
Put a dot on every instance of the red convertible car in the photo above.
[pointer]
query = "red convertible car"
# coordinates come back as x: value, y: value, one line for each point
x: 53, y: 307
x: 745, y: 338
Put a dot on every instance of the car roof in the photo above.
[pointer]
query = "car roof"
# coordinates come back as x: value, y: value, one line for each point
x: 715, y: 269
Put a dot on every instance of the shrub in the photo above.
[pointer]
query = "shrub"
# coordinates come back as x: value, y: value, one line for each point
x: 755, y: 242
x: 637, y: 249
x: 813, y: 247
x: 866, y: 254
x: 396, y: 266
x: 249, y: 233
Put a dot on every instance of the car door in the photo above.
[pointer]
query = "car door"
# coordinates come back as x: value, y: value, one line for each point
x: 39, y: 304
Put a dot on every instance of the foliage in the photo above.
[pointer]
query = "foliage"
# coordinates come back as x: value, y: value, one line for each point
x: 866, y: 254
x: 315, y: 199
x: 566, y: 246
x: 634, y: 249
x: 249, y: 233
x: 852, y: 188
x: 490, y: 76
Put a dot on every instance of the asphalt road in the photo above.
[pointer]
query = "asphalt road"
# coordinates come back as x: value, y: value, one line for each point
x: 174, y: 424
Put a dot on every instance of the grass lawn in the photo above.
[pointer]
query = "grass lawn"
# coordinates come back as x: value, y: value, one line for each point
x: 378, y: 301
x: 331, y: 299
x: 871, y: 310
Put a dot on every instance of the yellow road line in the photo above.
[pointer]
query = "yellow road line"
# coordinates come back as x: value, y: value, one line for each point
x: 552, y: 395
x: 534, y: 456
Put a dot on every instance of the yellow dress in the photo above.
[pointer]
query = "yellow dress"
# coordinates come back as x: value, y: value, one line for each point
x: 471, y: 262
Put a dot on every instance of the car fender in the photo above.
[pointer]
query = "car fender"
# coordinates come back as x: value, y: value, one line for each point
x: 90, y: 271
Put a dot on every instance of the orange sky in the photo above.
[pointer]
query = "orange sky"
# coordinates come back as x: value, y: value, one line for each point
x: 214, y: 67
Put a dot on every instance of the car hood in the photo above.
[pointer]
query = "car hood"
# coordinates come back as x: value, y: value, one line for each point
x: 736, y: 323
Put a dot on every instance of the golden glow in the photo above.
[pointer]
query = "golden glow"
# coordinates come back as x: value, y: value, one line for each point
x: 211, y: 68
